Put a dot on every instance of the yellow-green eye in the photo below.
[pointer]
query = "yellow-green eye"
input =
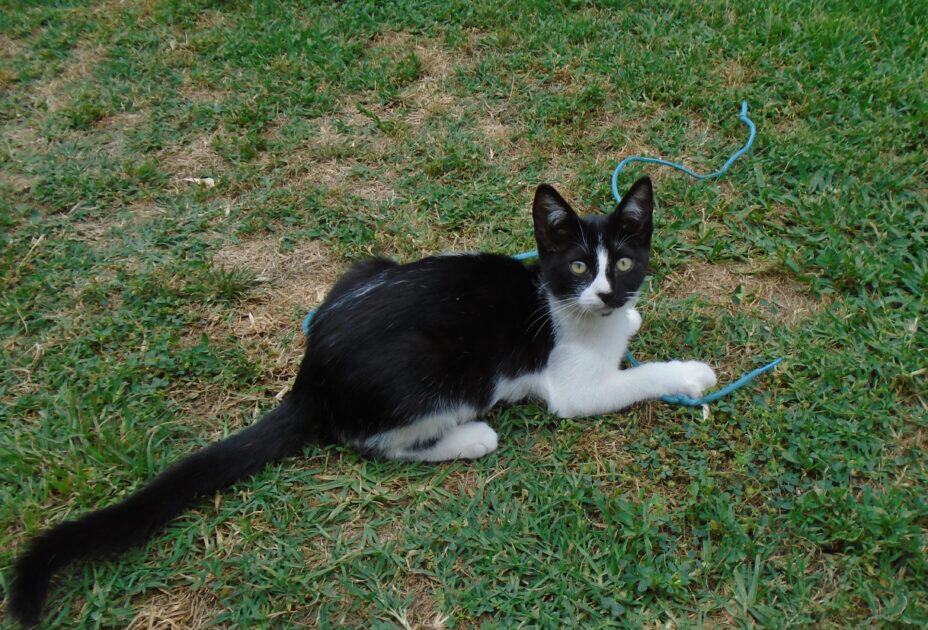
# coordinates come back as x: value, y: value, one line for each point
x: 624, y: 264
x: 578, y: 267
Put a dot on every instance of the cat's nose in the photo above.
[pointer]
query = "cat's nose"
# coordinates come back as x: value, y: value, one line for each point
x: 605, y: 297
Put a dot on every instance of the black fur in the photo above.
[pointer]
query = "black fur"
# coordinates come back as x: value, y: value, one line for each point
x: 391, y: 343
x: 433, y: 333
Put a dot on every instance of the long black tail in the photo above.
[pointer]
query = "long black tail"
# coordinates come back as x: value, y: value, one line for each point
x: 131, y: 521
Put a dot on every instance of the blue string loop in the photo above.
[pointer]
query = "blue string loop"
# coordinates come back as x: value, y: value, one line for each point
x: 686, y: 401
x: 746, y: 378
x: 743, y: 117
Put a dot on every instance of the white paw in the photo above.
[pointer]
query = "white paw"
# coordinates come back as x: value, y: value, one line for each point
x: 473, y: 440
x: 633, y: 318
x: 691, y: 378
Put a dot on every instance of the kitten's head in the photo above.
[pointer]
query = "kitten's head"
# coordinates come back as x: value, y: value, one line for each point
x: 596, y: 263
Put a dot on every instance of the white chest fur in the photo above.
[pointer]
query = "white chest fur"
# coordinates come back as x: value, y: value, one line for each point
x: 584, y: 350
x: 590, y: 347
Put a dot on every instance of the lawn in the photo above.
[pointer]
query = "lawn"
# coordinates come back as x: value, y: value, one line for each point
x: 180, y: 181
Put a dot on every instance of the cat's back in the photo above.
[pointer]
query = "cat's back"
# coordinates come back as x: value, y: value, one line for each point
x: 467, y: 279
x: 459, y: 295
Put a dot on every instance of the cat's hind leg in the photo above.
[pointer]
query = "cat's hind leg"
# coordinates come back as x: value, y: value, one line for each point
x: 470, y: 440
x: 439, y: 437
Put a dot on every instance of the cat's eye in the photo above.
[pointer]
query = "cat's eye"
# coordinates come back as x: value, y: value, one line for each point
x: 578, y: 267
x: 624, y: 264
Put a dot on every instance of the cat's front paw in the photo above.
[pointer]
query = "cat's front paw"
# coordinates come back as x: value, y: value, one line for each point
x: 691, y: 378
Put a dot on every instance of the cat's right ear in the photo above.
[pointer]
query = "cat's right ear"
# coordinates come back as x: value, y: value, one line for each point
x: 555, y: 221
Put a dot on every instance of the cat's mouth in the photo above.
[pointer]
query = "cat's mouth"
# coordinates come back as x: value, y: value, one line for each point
x: 603, y: 310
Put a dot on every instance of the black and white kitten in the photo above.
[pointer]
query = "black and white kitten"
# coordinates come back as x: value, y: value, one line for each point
x: 402, y: 360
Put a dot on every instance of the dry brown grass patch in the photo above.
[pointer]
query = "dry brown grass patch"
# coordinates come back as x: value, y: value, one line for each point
x: 411, y: 234
x: 9, y: 47
x: 776, y: 297
x: 99, y: 231
x: 198, y: 94
x: 602, y: 452
x: 22, y: 139
x: 603, y: 444
x: 142, y: 211
x: 213, y: 19
x: 121, y: 121
x: 338, y: 174
x: 613, y: 137
x: 266, y: 326
x: 470, y: 480
x: 392, y: 40
x: 93, y: 231
x: 291, y: 283
x: 423, y: 613
x: 350, y: 137
x: 436, y: 62
x: 349, y: 114
x: 621, y: 134
x: 331, y: 174
x: 16, y: 182
x: 341, y: 132
x: 111, y: 132
x: 195, y: 159
x: 77, y: 69
x: 734, y: 74
x: 297, y: 278
x: 202, y: 406
x: 375, y: 189
x: 341, y: 143
x: 176, y: 608
x: 494, y: 129
x: 429, y: 95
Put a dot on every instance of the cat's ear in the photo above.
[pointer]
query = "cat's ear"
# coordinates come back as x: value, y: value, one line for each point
x: 555, y: 221
x: 634, y: 213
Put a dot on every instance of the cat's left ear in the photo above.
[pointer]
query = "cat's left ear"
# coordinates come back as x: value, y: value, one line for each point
x: 634, y: 213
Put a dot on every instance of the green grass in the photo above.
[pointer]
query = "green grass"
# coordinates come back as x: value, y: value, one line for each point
x: 409, y: 127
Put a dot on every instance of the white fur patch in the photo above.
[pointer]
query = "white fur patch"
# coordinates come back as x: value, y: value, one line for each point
x: 590, y: 299
x: 399, y: 443
x: 465, y: 441
x: 583, y: 376
x: 519, y: 388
